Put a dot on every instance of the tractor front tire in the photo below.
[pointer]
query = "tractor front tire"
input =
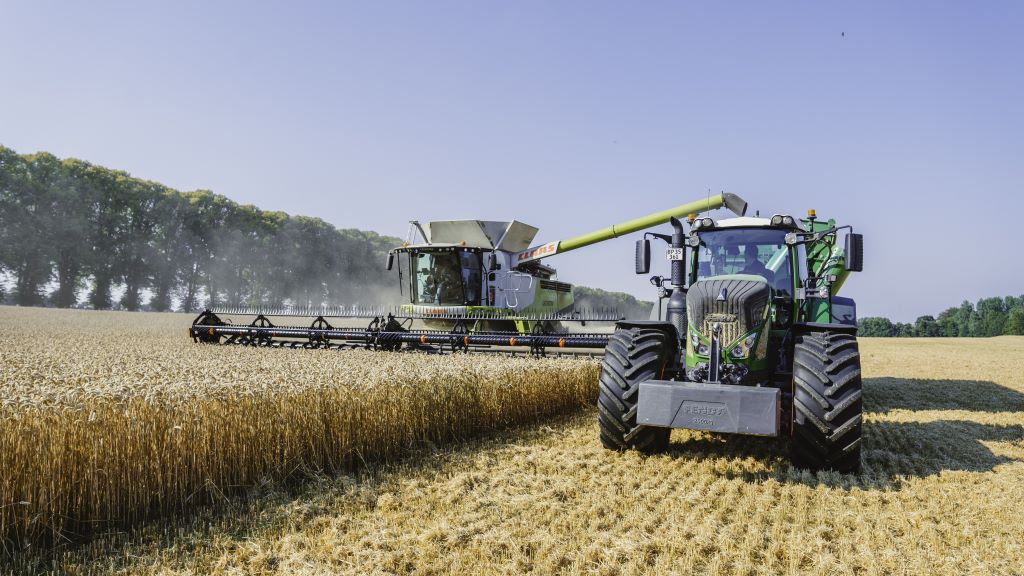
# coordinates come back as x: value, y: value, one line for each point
x: 827, y: 404
x: 633, y: 355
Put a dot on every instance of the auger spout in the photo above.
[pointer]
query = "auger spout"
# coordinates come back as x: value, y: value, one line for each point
x: 725, y: 199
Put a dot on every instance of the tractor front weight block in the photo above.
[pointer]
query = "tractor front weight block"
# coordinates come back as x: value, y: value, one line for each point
x: 708, y: 406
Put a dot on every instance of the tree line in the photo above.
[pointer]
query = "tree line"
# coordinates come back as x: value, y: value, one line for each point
x: 626, y: 305
x: 73, y: 233
x: 989, y: 317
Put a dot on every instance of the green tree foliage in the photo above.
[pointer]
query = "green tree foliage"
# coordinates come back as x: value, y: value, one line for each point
x: 988, y: 317
x: 71, y: 226
x: 625, y: 304
x: 873, y: 326
x: 1015, y: 321
x: 926, y: 326
x: 25, y: 209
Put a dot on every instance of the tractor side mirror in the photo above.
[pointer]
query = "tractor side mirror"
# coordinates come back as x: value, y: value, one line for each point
x: 643, y: 256
x: 854, y: 252
x: 391, y: 260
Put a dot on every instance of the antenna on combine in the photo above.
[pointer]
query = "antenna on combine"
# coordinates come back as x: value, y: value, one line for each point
x: 410, y: 236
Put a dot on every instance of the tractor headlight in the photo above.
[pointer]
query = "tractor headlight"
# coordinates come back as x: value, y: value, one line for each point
x: 777, y: 220
x: 788, y: 220
x: 742, y: 350
x: 707, y: 223
x: 698, y: 346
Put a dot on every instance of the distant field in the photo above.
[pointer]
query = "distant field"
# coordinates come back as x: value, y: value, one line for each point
x: 940, y: 492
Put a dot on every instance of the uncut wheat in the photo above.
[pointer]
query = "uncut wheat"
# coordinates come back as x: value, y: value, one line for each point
x: 112, y: 418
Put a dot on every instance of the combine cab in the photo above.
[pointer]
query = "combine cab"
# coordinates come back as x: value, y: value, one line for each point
x: 466, y: 270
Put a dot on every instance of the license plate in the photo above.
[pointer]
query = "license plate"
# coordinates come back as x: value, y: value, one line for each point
x: 675, y: 254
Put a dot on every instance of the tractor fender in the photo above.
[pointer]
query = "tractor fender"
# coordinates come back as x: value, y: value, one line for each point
x: 675, y: 354
x: 665, y: 327
x: 805, y: 327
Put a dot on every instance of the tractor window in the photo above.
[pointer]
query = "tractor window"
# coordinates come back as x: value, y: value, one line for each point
x: 437, y: 279
x: 801, y: 260
x: 758, y: 252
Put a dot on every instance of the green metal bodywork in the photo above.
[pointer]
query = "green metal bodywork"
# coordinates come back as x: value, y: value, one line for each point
x: 731, y: 201
x: 630, y: 226
x: 824, y: 258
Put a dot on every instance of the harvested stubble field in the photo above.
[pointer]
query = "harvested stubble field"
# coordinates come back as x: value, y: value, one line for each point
x: 940, y: 493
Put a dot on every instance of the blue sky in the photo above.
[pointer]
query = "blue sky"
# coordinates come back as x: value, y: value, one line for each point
x: 902, y: 119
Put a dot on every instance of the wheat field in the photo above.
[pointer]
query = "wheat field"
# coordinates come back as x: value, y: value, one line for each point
x: 109, y: 419
x: 940, y: 493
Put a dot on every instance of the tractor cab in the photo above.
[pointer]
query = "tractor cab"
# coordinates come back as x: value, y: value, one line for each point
x: 743, y: 276
x: 758, y: 252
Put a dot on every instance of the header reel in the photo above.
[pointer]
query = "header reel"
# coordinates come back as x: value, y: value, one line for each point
x: 392, y: 332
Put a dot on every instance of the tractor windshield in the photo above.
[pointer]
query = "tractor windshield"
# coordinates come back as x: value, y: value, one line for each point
x: 451, y: 278
x: 756, y: 251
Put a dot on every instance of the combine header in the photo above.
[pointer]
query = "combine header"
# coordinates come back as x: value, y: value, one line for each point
x: 471, y: 283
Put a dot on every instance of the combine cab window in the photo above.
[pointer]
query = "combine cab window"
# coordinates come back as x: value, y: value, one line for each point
x: 451, y: 278
x: 437, y: 279
x: 472, y: 275
x: 758, y: 252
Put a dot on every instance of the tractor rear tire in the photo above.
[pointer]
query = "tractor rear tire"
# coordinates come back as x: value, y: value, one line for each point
x: 827, y: 403
x: 633, y: 355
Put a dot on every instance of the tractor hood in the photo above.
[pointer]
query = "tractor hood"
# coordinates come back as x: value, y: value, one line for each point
x: 738, y: 302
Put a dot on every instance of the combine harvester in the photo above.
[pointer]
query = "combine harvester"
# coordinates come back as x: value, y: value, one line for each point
x: 473, y: 284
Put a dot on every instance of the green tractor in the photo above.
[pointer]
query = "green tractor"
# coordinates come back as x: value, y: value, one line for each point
x: 748, y: 337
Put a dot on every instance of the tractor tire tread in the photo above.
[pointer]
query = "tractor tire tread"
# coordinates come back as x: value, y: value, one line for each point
x: 809, y: 389
x: 632, y: 356
x: 828, y: 402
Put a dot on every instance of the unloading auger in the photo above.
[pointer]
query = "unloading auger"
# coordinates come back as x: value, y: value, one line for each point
x: 473, y: 284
